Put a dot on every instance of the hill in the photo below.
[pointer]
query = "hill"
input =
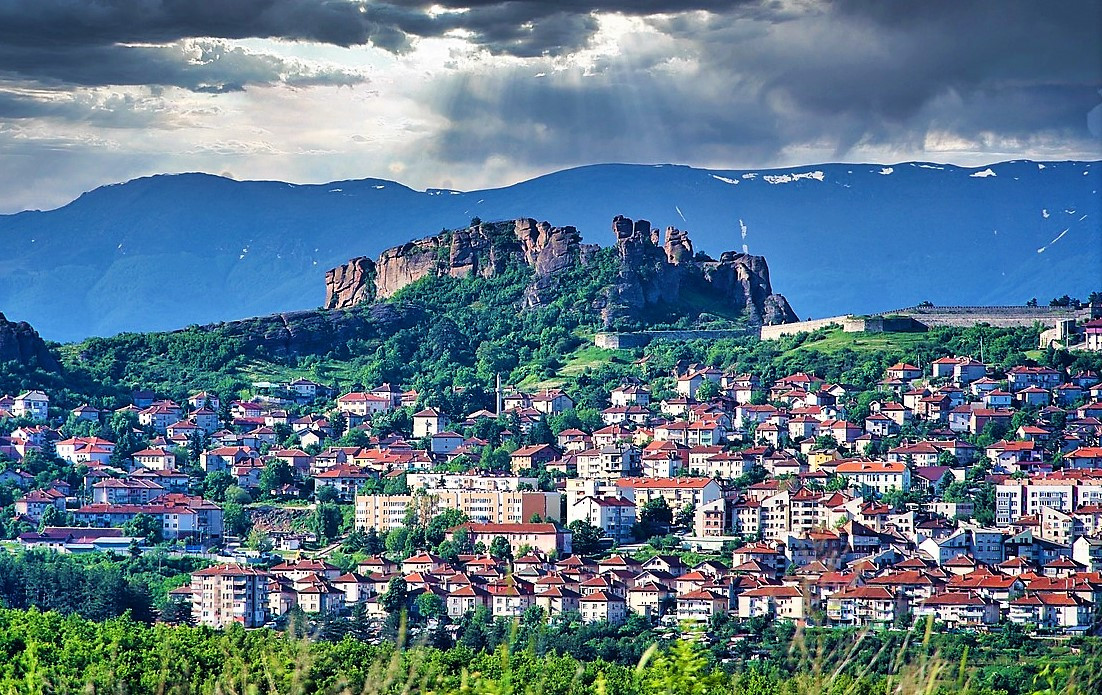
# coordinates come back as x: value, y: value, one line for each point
x: 166, y: 251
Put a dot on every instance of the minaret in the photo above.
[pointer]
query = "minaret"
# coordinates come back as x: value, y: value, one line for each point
x: 498, y: 392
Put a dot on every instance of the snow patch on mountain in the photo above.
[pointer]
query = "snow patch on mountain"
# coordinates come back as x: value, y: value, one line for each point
x: 789, y: 178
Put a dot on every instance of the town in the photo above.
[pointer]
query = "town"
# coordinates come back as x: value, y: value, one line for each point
x: 956, y: 492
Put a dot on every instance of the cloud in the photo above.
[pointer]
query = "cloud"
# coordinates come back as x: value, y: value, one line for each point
x: 764, y: 84
x: 485, y: 92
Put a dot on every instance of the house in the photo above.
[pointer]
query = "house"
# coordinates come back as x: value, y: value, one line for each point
x: 552, y: 402
x: 363, y: 405
x: 444, y: 443
x: 158, y: 459
x: 1092, y: 331
x: 345, y: 479
x: 555, y: 600
x: 865, y: 606
x: 679, y: 493
x: 85, y: 413
x: 958, y: 609
x: 903, y: 372
x: 544, y: 537
x: 881, y: 476
x: 532, y: 457
x: 630, y: 394
x: 33, y: 405
x: 428, y: 422
x: 1063, y: 611
x: 603, y: 606
x: 1021, y: 377
x: 85, y: 450
x: 774, y: 602
x: 615, y: 516
x: 35, y: 503
x: 205, y: 399
x: 700, y: 605
x: 466, y: 599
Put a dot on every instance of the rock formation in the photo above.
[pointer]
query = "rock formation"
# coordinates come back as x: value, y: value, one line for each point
x: 19, y: 342
x: 350, y: 284
x: 649, y: 275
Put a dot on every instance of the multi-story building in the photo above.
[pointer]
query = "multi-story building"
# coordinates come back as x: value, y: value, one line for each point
x: 881, y: 476
x: 386, y: 512
x: 227, y: 594
x: 1064, y: 491
x: 613, y: 515
x: 544, y: 537
x: 678, y: 492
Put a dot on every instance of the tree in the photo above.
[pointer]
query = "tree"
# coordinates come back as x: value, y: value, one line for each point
x: 177, y: 612
x: 707, y: 390
x: 325, y: 521
x: 238, y: 495
x: 686, y: 516
x: 430, y: 606
x: 654, y: 518
x: 51, y: 516
x: 438, y: 527
x: 501, y: 548
x: 373, y: 544
x: 396, y: 539
x: 325, y: 494
x: 586, y: 537
x: 275, y: 475
x: 216, y: 484
x: 259, y: 541
x: 397, y: 593
x: 236, y: 519
x: 145, y: 526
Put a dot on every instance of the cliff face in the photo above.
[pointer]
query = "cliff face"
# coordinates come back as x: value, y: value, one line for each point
x: 19, y: 342
x: 650, y: 273
x: 350, y: 284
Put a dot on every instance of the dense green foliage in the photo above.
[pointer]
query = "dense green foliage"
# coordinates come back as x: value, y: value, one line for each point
x: 95, y: 586
x: 50, y: 652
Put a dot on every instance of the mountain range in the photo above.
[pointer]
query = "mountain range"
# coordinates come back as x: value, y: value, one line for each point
x: 171, y: 250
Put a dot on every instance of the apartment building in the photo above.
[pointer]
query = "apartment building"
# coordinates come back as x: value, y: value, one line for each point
x: 386, y: 512
x: 229, y: 593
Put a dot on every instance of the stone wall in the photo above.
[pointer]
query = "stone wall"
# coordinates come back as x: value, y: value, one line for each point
x: 882, y: 324
x: 620, y: 341
x: 774, y: 332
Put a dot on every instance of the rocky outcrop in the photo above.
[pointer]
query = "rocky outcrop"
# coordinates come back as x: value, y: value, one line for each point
x: 20, y: 343
x: 350, y: 284
x: 651, y: 276
x: 652, y: 273
x: 482, y: 249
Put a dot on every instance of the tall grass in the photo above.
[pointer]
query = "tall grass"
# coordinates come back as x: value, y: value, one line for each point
x: 45, y: 653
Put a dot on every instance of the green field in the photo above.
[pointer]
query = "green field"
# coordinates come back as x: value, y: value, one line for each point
x: 835, y: 340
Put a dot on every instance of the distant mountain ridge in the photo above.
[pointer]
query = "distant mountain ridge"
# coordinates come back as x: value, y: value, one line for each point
x: 171, y: 250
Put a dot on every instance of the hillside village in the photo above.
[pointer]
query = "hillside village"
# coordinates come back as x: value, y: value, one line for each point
x: 958, y: 492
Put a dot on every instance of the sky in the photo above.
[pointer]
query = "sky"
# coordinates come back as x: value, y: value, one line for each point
x: 470, y: 94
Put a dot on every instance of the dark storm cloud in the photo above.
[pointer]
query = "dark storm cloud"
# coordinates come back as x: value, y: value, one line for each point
x: 202, y: 66
x: 102, y: 33
x: 833, y: 77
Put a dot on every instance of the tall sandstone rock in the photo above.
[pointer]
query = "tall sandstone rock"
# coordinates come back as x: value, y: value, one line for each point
x: 20, y: 343
x: 651, y: 273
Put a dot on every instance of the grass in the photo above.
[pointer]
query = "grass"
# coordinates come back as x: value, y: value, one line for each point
x: 587, y: 356
x: 837, y: 340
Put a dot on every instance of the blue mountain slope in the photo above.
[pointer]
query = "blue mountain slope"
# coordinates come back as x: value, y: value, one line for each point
x: 166, y: 251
